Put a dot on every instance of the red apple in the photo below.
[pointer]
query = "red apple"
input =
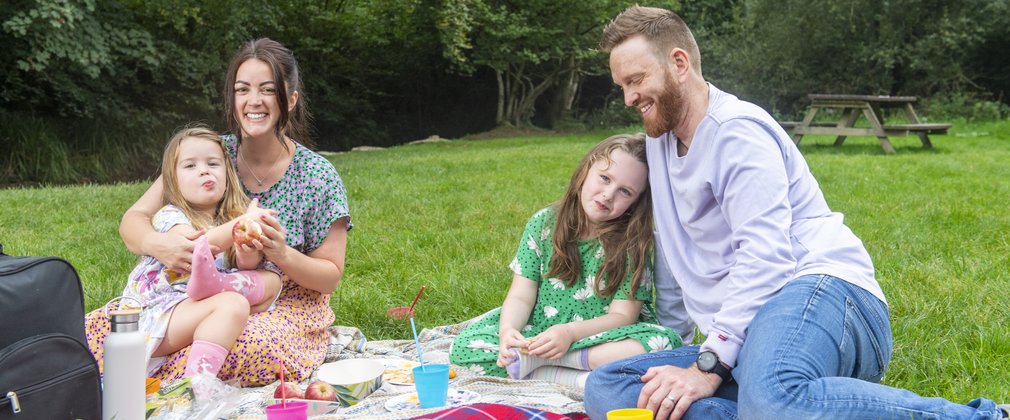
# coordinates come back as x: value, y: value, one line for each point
x: 320, y: 390
x: 291, y: 390
x: 245, y: 230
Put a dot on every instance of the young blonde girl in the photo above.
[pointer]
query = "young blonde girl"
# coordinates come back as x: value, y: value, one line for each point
x: 582, y: 286
x: 206, y: 307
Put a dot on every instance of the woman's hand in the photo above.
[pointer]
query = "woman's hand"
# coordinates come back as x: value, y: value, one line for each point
x: 173, y: 249
x: 509, y: 338
x: 274, y: 241
x: 553, y: 343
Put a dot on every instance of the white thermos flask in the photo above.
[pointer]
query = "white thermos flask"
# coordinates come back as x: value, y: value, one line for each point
x: 123, y: 380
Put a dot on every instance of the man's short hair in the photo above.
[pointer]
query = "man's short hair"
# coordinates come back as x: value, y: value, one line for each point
x: 662, y: 28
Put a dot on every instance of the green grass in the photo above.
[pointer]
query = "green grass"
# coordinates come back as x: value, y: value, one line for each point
x: 448, y: 215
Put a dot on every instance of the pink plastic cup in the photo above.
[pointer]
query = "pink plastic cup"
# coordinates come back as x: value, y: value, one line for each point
x: 295, y: 410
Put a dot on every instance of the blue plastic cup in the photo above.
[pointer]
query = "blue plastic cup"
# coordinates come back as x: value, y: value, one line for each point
x: 432, y: 383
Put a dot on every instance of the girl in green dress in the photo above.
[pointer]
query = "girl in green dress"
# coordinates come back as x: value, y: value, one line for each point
x: 581, y: 291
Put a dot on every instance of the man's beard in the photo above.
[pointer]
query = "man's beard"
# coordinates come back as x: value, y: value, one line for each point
x: 669, y: 106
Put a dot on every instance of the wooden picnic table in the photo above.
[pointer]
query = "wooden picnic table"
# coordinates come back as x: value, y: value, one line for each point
x: 870, y: 106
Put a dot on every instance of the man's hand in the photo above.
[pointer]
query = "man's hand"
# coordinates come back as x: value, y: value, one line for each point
x: 669, y: 390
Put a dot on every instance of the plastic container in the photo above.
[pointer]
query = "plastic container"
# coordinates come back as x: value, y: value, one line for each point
x: 432, y: 383
x: 294, y: 410
x: 630, y: 414
x: 124, y: 378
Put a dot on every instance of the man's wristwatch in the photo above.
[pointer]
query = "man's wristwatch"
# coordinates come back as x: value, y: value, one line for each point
x: 709, y: 362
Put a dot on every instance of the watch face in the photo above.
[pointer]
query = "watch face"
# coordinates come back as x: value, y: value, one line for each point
x: 707, y: 361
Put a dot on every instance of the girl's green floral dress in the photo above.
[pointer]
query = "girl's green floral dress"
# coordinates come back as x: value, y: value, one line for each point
x: 477, y: 346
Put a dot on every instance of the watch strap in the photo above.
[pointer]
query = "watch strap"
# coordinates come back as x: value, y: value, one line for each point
x: 724, y: 372
x: 720, y: 369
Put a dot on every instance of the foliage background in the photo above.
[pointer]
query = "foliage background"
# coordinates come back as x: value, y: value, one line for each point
x: 90, y: 90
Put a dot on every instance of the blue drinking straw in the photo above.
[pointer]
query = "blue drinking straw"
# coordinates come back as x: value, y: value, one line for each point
x: 417, y: 342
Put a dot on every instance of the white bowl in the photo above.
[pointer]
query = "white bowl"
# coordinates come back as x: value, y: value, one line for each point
x: 353, y: 379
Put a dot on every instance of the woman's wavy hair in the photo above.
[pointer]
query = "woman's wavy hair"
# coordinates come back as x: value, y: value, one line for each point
x: 294, y: 124
x: 234, y: 201
x: 627, y: 240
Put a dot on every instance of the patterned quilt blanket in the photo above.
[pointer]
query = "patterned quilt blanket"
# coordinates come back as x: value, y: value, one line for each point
x: 349, y: 343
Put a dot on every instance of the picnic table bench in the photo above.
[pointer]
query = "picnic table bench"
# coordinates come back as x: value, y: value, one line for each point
x: 869, y: 106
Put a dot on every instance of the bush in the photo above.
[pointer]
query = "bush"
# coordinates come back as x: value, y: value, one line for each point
x: 67, y: 150
x: 36, y: 152
x: 613, y: 115
x: 966, y: 105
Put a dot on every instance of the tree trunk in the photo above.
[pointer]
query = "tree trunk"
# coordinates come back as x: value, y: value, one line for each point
x: 500, y: 116
x: 525, y: 109
x: 567, y: 87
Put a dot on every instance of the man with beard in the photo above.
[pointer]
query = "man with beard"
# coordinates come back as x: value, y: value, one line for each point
x: 795, y: 324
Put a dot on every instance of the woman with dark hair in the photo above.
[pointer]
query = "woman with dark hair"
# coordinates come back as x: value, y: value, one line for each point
x: 267, y: 118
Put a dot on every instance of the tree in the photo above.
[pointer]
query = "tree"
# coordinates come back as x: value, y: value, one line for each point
x: 65, y: 57
x: 778, y: 51
x: 530, y: 45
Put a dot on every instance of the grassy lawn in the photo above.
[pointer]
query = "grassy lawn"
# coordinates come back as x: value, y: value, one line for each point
x: 448, y: 216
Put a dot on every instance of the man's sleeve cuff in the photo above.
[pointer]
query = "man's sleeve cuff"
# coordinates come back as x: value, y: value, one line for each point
x: 727, y: 350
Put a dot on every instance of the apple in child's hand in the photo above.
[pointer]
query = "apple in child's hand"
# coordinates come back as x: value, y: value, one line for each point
x: 320, y: 390
x: 291, y: 390
x: 246, y: 230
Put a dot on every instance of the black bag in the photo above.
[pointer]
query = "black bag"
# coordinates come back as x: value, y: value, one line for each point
x: 46, y: 369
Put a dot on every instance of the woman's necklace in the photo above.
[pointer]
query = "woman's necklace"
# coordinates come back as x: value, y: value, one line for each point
x: 259, y: 181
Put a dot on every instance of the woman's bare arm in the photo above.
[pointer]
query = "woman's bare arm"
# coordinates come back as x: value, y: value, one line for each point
x: 173, y: 249
x: 320, y: 270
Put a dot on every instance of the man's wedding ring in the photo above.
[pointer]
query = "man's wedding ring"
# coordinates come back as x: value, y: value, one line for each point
x: 672, y: 399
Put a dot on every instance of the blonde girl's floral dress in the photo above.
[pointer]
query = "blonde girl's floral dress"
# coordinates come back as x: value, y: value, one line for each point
x: 476, y: 347
x: 309, y: 198
x: 157, y: 289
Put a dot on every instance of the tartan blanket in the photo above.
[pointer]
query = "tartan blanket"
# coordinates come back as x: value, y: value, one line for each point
x: 499, y: 398
x: 482, y: 411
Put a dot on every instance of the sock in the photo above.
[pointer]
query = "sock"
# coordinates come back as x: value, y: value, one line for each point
x: 205, y: 281
x: 523, y: 364
x: 205, y: 357
x: 561, y: 375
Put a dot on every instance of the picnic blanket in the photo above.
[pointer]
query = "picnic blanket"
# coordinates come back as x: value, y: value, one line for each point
x: 350, y: 343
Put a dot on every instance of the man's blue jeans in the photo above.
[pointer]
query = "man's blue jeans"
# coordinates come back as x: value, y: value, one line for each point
x: 814, y: 351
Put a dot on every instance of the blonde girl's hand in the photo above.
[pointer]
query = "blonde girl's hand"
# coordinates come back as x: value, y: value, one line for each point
x: 254, y: 211
x: 251, y: 248
x: 247, y: 256
x: 274, y: 241
x: 508, y: 339
x: 553, y: 343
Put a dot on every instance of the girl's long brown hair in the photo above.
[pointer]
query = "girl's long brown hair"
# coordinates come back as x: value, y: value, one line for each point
x: 234, y: 201
x: 627, y: 240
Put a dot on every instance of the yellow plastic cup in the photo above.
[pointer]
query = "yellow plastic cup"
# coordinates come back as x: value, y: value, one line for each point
x: 630, y: 414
